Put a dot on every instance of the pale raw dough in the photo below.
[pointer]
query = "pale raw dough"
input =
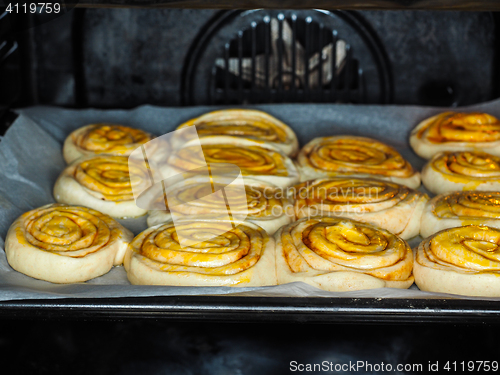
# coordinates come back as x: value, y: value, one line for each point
x: 460, y: 208
x: 355, y: 157
x: 259, y: 127
x: 68, y: 190
x: 390, y: 206
x: 288, y: 177
x: 65, y: 266
x: 297, y: 261
x: 142, y: 270
x: 72, y: 148
x: 426, y: 148
x: 481, y: 172
x: 269, y: 207
x: 434, y: 274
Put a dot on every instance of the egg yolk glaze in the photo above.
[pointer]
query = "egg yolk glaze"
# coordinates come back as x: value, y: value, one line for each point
x: 213, y: 253
x: 464, y: 166
x: 472, y: 248
x: 251, y: 124
x: 338, y: 244
x: 67, y: 230
x: 461, y: 127
x: 468, y: 204
x: 356, y: 195
x: 252, y: 160
x: 357, y: 155
x: 109, y: 177
x: 197, y: 199
x: 111, y: 139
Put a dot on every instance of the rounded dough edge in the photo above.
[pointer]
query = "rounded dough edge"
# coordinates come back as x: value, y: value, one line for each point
x: 47, y: 266
x: 427, y: 150
x: 441, y: 281
x: 438, y: 183
x: 68, y: 191
x: 263, y: 273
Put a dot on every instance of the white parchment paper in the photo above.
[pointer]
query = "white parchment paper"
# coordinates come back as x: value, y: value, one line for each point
x: 31, y: 160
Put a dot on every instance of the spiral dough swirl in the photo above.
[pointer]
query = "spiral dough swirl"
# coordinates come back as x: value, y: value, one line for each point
x: 451, y: 132
x: 103, y: 139
x: 195, y: 200
x: 347, y: 155
x: 390, y: 206
x: 112, y: 139
x: 326, y: 244
x: 157, y: 257
x: 359, y: 156
x: 459, y: 209
x: 109, y: 176
x: 468, y: 204
x: 68, y: 231
x: 241, y: 123
x: 468, y: 165
x: 244, y: 123
x: 471, y: 248
x: 451, y: 171
x: 463, y: 260
x: 63, y: 244
x: 461, y: 127
x: 252, y: 160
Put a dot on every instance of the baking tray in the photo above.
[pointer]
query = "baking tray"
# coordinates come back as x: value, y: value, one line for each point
x: 261, y: 309
x: 237, y: 308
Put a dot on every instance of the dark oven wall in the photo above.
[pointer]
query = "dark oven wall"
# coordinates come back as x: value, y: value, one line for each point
x: 127, y: 57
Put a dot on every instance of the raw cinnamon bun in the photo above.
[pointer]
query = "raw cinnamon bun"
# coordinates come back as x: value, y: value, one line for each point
x: 455, y: 171
x: 103, y: 139
x: 264, y: 204
x: 464, y: 260
x: 460, y: 209
x: 102, y: 183
x: 339, y: 254
x: 452, y: 131
x: 214, y: 256
x: 342, y: 156
x: 246, y: 123
x: 390, y: 206
x: 65, y: 244
x: 255, y: 160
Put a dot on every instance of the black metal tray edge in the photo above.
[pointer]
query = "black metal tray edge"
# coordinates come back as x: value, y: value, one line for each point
x: 260, y: 309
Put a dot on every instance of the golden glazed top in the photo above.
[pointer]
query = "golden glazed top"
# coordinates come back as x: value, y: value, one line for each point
x: 463, y: 166
x: 67, y: 230
x: 215, y: 254
x: 471, y: 248
x: 111, y: 139
x: 468, y: 204
x: 358, y: 195
x: 108, y: 177
x: 198, y: 199
x: 251, y: 124
x: 332, y: 244
x: 252, y: 160
x: 461, y: 127
x: 355, y: 155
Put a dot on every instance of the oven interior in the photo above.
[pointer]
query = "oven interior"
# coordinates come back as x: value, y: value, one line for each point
x: 123, y: 58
